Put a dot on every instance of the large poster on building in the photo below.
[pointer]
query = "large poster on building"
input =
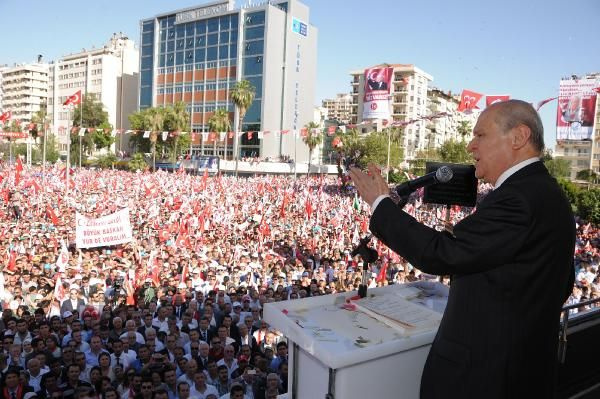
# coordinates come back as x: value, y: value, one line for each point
x: 576, y: 109
x: 104, y: 231
x: 376, y: 101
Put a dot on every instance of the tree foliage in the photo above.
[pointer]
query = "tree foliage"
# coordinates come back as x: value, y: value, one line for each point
x: 454, y: 152
x: 312, y: 139
x: 173, y: 119
x: 587, y: 175
x: 94, y: 117
x: 558, y: 167
x: 588, y: 205
x: 464, y: 129
x: 137, y: 162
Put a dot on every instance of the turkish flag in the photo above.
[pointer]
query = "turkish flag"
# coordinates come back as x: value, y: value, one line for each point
x: 52, y: 215
x: 250, y: 135
x: 382, y: 275
x: 163, y: 235
x: 5, y: 116
x: 331, y: 130
x: 283, y: 205
x: 19, y: 166
x: 489, y: 100
x: 12, y: 261
x: 337, y: 142
x: 182, y: 241
x: 309, y: 208
x: 469, y: 100
x: 75, y: 99
x: 303, y: 132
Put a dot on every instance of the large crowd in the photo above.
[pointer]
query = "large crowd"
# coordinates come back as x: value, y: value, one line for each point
x: 177, y: 312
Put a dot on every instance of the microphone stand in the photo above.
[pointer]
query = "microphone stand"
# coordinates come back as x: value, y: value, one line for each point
x: 368, y: 255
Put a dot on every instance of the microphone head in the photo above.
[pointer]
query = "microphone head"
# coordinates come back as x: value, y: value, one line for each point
x: 444, y: 174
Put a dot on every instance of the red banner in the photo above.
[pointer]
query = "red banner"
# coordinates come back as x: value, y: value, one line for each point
x: 14, y: 135
x: 576, y: 109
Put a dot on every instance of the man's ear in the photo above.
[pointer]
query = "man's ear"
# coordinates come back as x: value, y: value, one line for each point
x: 520, y: 136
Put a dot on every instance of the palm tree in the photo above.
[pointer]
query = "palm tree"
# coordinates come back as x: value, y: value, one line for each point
x: 180, y: 120
x: 464, y: 129
x: 242, y: 96
x: 219, y: 122
x: 154, y: 121
x: 312, y: 140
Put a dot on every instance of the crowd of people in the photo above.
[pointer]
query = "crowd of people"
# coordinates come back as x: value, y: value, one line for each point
x: 177, y: 312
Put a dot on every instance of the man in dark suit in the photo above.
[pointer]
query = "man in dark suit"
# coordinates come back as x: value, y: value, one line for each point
x: 511, y: 264
x: 73, y: 303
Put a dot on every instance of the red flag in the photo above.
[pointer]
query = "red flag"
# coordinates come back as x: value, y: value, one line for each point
x: 597, y: 89
x: 59, y: 290
x: 303, y: 132
x: 337, y: 142
x: 283, y: 205
x: 204, y: 179
x: 382, y: 275
x: 468, y: 100
x: 489, y: 100
x: 75, y: 99
x: 12, y: 261
x: 182, y: 241
x: 540, y: 104
x: 184, y: 273
x: 18, y: 169
x: 51, y: 215
x: 331, y: 130
x: 19, y: 166
x: 309, y: 208
x: 364, y: 225
x: 5, y: 117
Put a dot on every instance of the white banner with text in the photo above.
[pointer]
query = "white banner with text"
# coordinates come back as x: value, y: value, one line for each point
x: 104, y: 231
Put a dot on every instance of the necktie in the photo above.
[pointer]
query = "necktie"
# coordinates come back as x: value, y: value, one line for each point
x: 13, y: 395
x: 118, y: 362
x: 204, y: 336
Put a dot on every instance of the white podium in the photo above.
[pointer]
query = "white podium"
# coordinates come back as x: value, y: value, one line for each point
x: 341, y: 353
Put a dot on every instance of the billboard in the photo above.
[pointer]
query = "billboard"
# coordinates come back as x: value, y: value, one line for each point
x: 576, y: 109
x: 376, y: 101
x: 209, y: 163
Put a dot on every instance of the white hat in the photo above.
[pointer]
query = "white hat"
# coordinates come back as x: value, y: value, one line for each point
x: 67, y: 314
x: 236, y: 303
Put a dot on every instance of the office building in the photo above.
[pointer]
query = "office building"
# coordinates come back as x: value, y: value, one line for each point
x: 24, y: 90
x: 197, y: 55
x: 109, y: 73
x: 339, y: 108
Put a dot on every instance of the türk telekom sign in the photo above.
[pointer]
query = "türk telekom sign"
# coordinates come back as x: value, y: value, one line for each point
x: 203, y: 12
x: 104, y: 231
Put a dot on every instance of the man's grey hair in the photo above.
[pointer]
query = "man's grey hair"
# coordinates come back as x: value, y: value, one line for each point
x: 513, y: 113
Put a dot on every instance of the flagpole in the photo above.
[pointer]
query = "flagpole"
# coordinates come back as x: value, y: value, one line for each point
x: 68, y: 153
x: 81, y: 127
x: 44, y: 153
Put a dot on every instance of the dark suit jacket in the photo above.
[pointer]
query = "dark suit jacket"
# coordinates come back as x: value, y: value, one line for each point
x: 68, y: 306
x: 512, y: 269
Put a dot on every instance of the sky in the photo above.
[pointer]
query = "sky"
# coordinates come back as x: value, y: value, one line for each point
x: 516, y: 47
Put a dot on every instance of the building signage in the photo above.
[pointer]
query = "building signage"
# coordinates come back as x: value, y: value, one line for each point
x: 200, y: 13
x: 576, y: 109
x: 299, y: 27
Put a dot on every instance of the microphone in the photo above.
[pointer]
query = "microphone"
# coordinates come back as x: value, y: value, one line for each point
x: 442, y: 175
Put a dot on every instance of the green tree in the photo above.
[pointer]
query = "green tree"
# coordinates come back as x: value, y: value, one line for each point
x: 464, y: 129
x: 90, y: 114
x: 587, y: 175
x: 375, y: 149
x: 52, y: 153
x: 139, y: 121
x: 455, y: 152
x: 154, y: 122
x: 558, y: 167
x: 137, y: 162
x: 588, y: 205
x: 571, y: 191
x: 312, y: 140
x: 219, y: 122
x: 242, y: 96
x: 176, y: 120
x: 107, y: 161
x: 39, y: 119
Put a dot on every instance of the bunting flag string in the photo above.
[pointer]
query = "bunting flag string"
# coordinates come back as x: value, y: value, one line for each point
x: 468, y: 103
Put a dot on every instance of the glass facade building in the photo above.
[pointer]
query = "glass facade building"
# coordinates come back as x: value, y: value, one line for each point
x: 197, y: 55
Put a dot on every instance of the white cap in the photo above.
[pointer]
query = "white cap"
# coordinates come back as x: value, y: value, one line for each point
x: 67, y: 314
